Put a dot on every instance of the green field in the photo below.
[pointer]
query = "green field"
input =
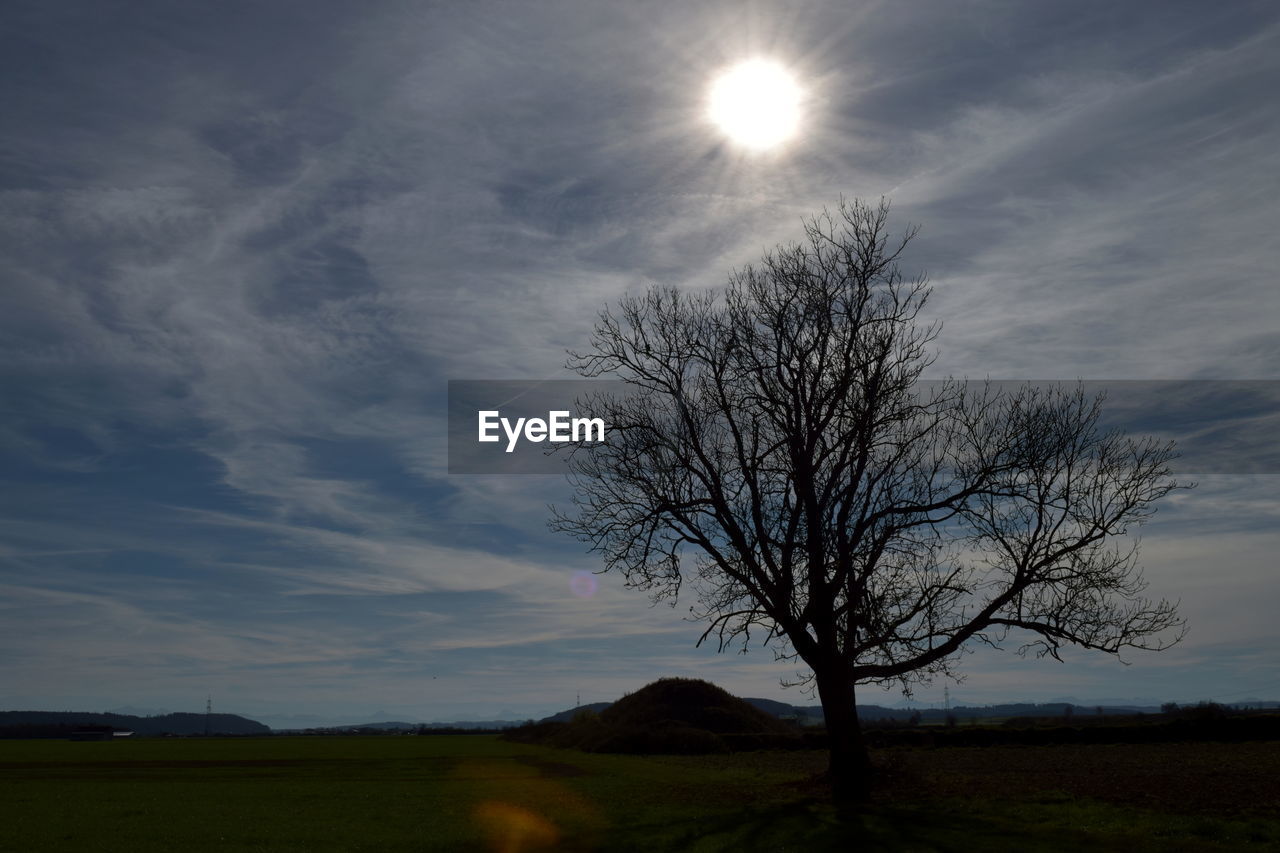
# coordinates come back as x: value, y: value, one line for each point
x: 479, y: 793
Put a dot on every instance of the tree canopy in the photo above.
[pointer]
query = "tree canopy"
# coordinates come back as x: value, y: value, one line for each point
x: 781, y: 454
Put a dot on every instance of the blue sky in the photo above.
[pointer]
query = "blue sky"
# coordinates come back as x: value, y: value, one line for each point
x: 246, y: 245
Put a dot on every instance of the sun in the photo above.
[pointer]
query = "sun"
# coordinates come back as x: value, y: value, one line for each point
x: 756, y: 103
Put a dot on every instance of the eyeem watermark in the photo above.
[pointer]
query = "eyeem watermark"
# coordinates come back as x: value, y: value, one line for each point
x: 1220, y: 426
x: 520, y: 426
x: 559, y: 427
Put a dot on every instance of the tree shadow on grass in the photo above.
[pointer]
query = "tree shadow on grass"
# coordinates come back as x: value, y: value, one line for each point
x: 816, y: 827
x: 813, y: 826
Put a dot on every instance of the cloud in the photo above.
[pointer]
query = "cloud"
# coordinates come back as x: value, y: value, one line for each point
x: 245, y: 247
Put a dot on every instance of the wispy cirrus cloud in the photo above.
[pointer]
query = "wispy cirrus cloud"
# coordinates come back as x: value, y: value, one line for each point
x: 244, y: 248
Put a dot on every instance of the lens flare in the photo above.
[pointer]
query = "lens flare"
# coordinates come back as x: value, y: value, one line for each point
x: 583, y: 584
x: 514, y: 829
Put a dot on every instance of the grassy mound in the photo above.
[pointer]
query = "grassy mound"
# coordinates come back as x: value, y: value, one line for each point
x: 691, y: 702
x: 682, y: 716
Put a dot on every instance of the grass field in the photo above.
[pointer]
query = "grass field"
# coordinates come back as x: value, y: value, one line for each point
x: 480, y: 793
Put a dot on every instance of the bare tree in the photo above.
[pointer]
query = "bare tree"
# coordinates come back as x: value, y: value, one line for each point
x: 780, y: 454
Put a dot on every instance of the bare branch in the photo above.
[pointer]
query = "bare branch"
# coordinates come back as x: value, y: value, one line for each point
x: 780, y: 455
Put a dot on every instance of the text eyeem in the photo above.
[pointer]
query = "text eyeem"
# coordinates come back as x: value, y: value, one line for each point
x: 558, y: 427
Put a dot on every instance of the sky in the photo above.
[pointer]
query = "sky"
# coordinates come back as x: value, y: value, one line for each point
x: 245, y: 247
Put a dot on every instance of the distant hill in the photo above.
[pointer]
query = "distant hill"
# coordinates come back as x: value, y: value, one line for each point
x: 805, y: 716
x: 135, y: 711
x: 567, y: 716
x: 672, y: 715
x: 870, y: 714
x: 20, y: 724
x: 690, y: 702
x: 387, y: 725
x: 401, y: 725
x: 769, y: 706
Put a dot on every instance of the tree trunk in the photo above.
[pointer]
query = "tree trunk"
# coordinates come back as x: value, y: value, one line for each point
x: 850, y: 765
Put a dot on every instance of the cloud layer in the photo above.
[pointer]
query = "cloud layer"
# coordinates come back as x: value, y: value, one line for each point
x: 245, y: 246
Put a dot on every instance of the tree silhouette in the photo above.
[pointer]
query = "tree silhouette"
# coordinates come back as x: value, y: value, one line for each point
x: 780, y: 455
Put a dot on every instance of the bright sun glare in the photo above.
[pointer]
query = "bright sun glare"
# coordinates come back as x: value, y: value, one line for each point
x: 756, y: 103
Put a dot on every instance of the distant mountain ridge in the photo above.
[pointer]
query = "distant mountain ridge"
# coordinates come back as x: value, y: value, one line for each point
x: 401, y: 725
x: 812, y: 714
x: 57, y: 723
x: 568, y: 715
